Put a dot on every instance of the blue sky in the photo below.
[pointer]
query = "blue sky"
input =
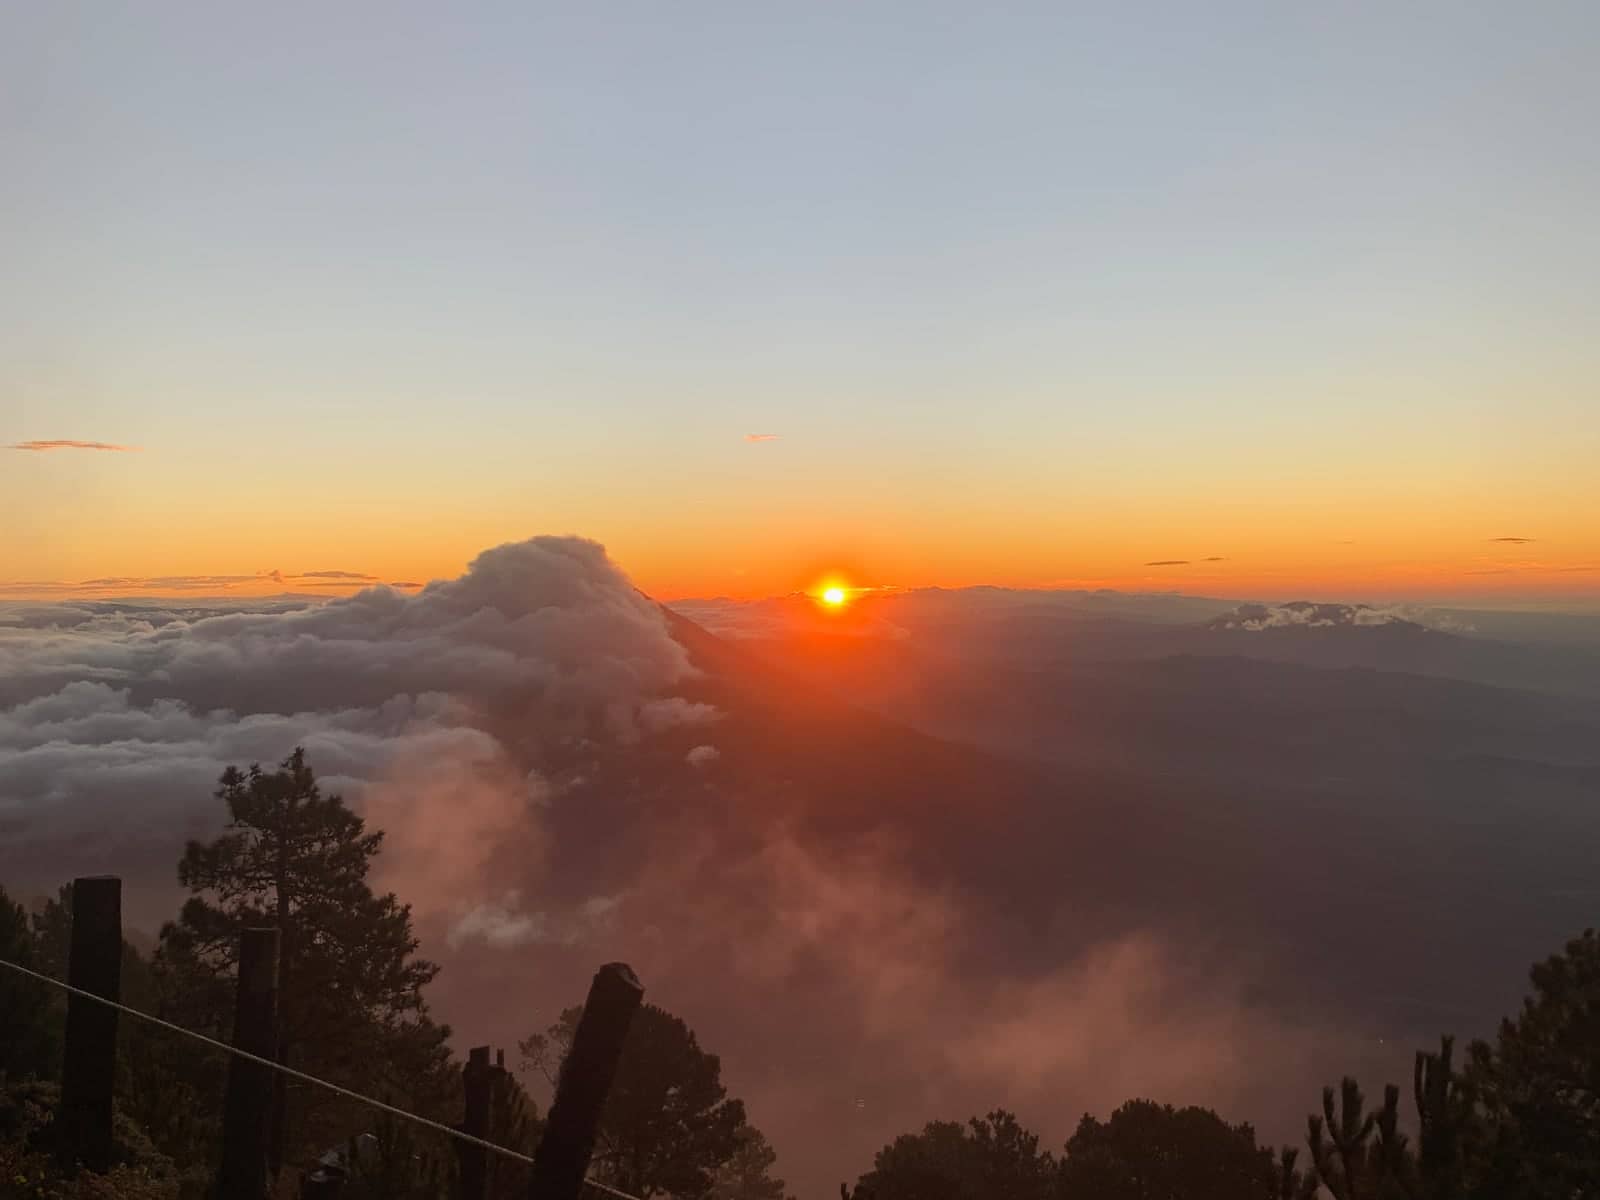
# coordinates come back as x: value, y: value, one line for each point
x: 551, y: 264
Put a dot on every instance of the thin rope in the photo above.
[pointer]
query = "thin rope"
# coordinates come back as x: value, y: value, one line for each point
x: 439, y: 1126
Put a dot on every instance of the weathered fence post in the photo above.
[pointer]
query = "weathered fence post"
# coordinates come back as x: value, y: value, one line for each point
x: 477, y: 1080
x: 89, y: 1068
x: 247, y: 1107
x: 562, y: 1159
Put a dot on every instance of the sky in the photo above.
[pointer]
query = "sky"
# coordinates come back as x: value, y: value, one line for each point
x: 1293, y: 300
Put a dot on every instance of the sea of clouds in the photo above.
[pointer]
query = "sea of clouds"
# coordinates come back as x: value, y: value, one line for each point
x: 116, y: 718
x: 556, y: 792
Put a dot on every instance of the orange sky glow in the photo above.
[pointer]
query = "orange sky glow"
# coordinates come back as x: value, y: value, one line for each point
x: 110, y: 558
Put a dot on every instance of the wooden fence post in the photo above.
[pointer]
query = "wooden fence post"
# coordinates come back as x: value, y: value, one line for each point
x: 562, y: 1159
x: 477, y: 1079
x: 247, y: 1107
x: 89, y: 1067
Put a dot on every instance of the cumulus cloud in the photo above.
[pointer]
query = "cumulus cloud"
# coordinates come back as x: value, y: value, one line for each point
x: 495, y: 924
x: 701, y: 756
x: 68, y: 444
x: 116, y: 718
x: 656, y: 716
x: 505, y: 924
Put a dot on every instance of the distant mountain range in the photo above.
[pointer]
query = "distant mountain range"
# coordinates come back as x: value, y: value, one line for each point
x: 1303, y: 614
x: 1381, y: 807
x: 1036, y: 628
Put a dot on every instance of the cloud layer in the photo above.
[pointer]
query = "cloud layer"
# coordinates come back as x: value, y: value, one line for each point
x: 1303, y: 614
x: 115, y: 719
x: 559, y: 785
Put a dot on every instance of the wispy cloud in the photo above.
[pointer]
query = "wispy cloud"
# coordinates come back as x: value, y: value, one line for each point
x: 1168, y: 562
x: 69, y: 444
x: 1214, y: 558
x: 102, y: 585
x: 35, y: 587
x: 1515, y: 541
x: 403, y: 583
x: 175, y: 583
x: 762, y: 437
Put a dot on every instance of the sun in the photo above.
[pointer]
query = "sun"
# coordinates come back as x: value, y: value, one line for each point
x: 833, y: 596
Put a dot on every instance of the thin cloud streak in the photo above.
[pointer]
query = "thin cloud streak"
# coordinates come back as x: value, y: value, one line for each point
x: 762, y: 437
x: 1168, y: 562
x: 70, y: 444
x: 1515, y: 541
x: 181, y: 583
x: 174, y: 584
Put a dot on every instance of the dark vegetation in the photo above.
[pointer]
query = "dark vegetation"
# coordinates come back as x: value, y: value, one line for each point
x: 1516, y: 1117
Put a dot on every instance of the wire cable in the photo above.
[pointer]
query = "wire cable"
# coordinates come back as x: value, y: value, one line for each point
x: 439, y: 1126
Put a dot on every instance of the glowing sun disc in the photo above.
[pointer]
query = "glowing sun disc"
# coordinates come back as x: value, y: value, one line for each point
x: 833, y: 595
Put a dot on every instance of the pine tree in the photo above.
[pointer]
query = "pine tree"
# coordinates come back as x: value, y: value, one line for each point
x: 1346, y: 1157
x: 30, y: 1022
x: 1149, y: 1149
x: 350, y: 1007
x: 1446, y: 1124
x: 748, y: 1174
x: 669, y: 1124
x: 1539, y: 1083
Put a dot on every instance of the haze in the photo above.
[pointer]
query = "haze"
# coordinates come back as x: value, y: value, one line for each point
x: 1003, y: 557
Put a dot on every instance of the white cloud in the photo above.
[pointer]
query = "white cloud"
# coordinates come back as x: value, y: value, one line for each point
x: 657, y: 716
x: 1303, y: 614
x: 497, y: 924
x: 431, y: 710
x: 504, y: 925
x: 702, y: 756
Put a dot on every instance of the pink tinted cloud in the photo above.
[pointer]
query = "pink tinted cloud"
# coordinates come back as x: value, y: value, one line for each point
x: 69, y: 444
x: 762, y: 437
